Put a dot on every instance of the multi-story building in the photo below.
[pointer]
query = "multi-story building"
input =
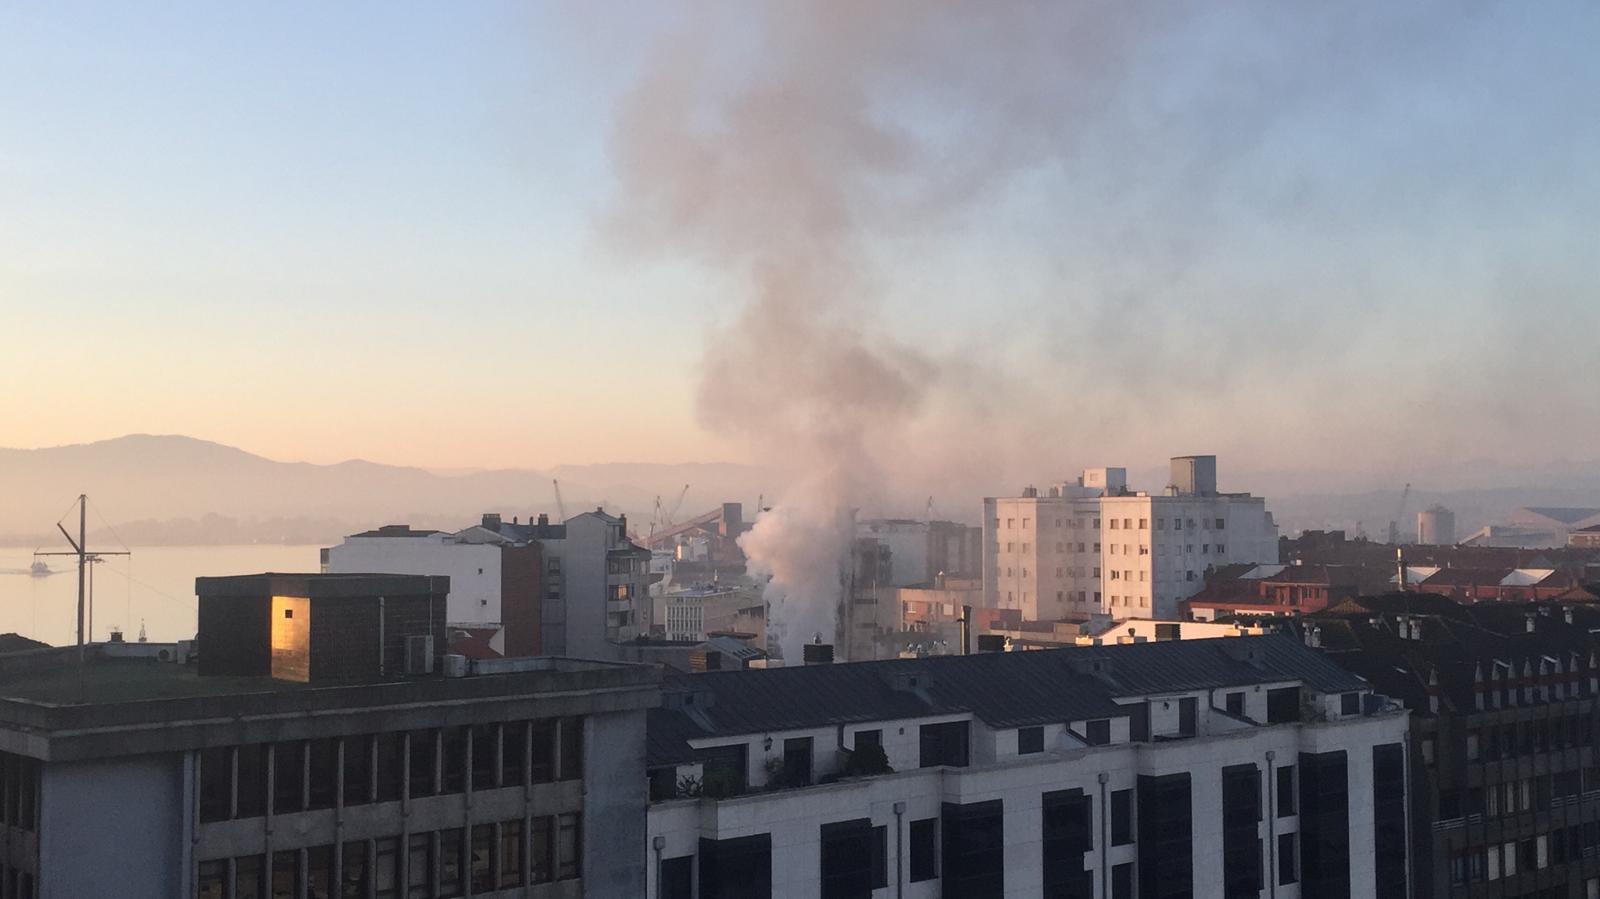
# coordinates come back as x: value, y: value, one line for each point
x: 1505, y: 702
x: 316, y: 749
x: 921, y: 552
x: 1248, y: 766
x: 1096, y: 547
x: 558, y: 589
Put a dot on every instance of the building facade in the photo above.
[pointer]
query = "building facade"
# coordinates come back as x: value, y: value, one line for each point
x: 572, y: 589
x: 152, y: 778
x: 1239, y: 767
x: 1096, y: 547
x: 1505, y: 701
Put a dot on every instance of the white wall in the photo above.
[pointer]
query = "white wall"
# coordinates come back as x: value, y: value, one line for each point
x: 473, y: 569
x: 794, y: 817
x: 114, y: 828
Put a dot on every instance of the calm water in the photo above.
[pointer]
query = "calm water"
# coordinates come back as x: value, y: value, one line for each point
x: 155, y: 585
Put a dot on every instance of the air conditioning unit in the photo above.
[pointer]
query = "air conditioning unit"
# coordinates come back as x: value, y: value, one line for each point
x: 419, y: 654
x: 455, y: 665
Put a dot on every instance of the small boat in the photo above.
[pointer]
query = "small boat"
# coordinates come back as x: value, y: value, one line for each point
x: 40, y: 569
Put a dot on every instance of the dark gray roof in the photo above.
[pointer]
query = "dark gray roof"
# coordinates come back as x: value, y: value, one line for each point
x: 1003, y: 689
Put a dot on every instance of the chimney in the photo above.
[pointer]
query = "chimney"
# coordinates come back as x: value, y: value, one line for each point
x: 544, y: 520
x: 1530, y: 621
x: 491, y: 521
x: 966, y: 630
x: 817, y: 654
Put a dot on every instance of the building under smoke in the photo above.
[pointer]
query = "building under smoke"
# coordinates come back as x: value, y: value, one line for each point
x: 1095, y: 546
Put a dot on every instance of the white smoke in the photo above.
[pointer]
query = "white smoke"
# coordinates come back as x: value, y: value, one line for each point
x: 784, y: 143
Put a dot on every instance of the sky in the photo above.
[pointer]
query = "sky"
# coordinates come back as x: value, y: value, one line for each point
x: 1343, y: 236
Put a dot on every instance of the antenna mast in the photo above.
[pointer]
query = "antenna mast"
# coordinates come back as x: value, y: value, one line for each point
x: 80, y: 548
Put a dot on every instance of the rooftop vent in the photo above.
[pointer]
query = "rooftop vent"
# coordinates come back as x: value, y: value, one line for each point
x: 817, y: 653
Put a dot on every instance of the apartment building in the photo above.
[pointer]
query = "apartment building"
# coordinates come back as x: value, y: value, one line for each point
x: 569, y: 589
x: 1249, y: 766
x: 1505, y: 702
x: 313, y: 747
x: 1095, y: 546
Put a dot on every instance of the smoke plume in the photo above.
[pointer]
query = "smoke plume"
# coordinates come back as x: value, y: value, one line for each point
x: 792, y: 147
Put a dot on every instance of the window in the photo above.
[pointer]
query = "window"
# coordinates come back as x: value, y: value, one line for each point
x: 357, y: 770
x: 1144, y: 524
x: 1350, y: 703
x: 450, y: 867
x: 422, y: 746
x: 482, y: 860
x: 568, y: 858
x: 455, y: 759
x: 1122, y: 881
x: 1283, y: 705
x: 355, y: 875
x: 924, y: 849
x: 319, y: 870
x: 1286, y: 791
x: 797, y: 761
x: 289, y: 778
x: 212, y: 880
x: 286, y: 874
x: 541, y: 861
x: 386, y: 867
x: 249, y: 873
x: 544, y: 751
x: 848, y: 858
x: 513, y: 749
x: 511, y: 853
x: 216, y: 786
x: 1121, y: 817
x: 485, y: 747
x: 1113, y: 524
x: 324, y: 782
x: 391, y: 761
x: 1098, y: 731
x: 1235, y: 704
x: 1288, y: 871
x: 1030, y: 740
x: 865, y: 738
x: 419, y: 866
x: 943, y: 744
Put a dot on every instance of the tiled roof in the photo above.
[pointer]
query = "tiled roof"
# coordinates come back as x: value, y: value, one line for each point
x: 1451, y: 646
x: 1003, y: 689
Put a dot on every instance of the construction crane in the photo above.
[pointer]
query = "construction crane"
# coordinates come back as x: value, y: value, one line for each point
x: 670, y: 517
x: 1394, y: 523
x: 561, y: 507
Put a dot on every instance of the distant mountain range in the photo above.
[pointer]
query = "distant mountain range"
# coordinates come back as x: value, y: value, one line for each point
x: 180, y: 490
x: 175, y: 489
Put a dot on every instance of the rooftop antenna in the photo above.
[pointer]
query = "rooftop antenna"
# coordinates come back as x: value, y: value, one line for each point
x: 81, y: 550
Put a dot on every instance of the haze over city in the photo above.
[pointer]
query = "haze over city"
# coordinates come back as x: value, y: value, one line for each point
x: 799, y: 449
x: 1321, y: 239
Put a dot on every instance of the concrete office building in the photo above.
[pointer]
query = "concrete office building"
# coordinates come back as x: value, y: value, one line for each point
x: 1249, y: 766
x: 1095, y: 546
x: 318, y: 748
x: 569, y: 589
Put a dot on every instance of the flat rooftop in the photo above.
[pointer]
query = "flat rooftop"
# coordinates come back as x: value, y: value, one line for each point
x: 53, y: 707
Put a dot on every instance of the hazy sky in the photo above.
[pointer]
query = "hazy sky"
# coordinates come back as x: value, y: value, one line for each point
x: 1332, y: 235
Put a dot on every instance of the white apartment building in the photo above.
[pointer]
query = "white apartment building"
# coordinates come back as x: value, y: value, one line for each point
x: 1249, y: 766
x: 1095, y: 546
